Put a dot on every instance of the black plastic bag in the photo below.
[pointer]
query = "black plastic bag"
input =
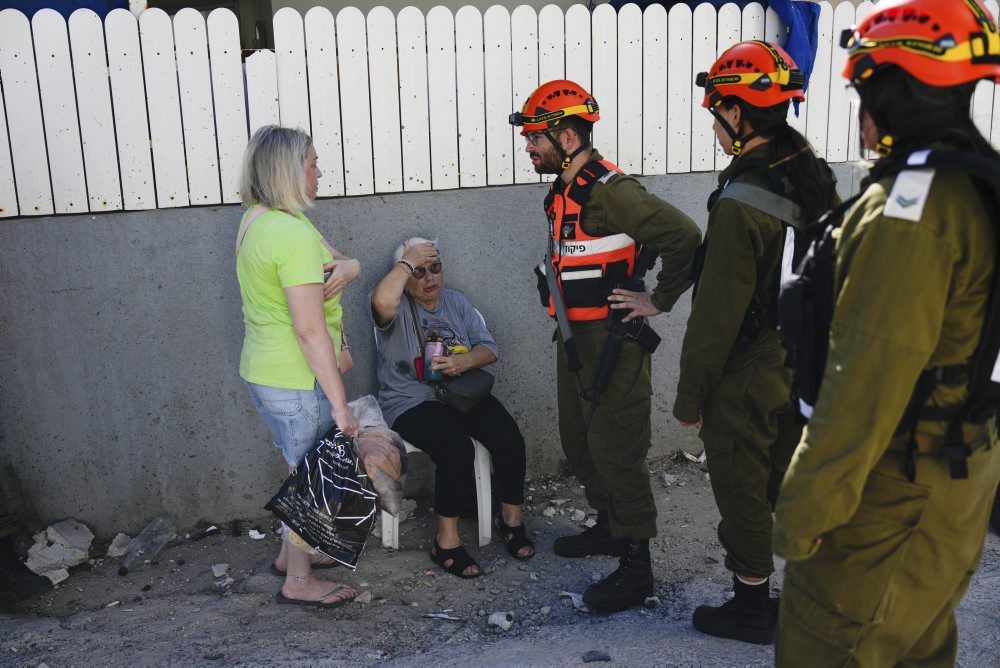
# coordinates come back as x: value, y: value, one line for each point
x: 329, y: 501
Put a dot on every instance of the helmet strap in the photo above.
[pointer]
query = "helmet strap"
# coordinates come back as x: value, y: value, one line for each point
x: 567, y: 158
x: 739, y: 141
x: 884, y: 145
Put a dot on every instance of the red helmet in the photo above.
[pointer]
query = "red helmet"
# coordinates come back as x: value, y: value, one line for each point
x: 553, y: 101
x: 938, y: 42
x: 759, y: 73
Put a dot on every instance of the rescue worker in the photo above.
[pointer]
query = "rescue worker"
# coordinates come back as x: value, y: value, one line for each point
x: 733, y: 380
x: 882, y: 538
x: 598, y: 219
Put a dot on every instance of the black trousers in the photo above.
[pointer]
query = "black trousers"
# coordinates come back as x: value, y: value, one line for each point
x: 444, y: 434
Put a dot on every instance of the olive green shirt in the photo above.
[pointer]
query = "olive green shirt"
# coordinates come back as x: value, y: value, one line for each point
x: 910, y: 294
x: 744, y: 247
x: 623, y: 206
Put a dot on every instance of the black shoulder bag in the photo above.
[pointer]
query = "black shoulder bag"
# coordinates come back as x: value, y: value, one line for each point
x: 462, y: 392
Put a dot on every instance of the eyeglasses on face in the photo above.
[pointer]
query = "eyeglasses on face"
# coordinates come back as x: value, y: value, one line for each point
x: 420, y: 272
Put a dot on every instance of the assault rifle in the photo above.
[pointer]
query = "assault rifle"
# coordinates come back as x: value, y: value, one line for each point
x: 636, y: 330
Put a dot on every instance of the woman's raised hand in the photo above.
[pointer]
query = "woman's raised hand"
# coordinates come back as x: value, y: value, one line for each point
x: 419, y: 255
x: 342, y: 272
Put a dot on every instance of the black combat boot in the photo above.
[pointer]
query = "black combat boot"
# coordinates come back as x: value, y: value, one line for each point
x: 593, y: 541
x: 750, y: 616
x: 630, y: 585
x: 17, y: 581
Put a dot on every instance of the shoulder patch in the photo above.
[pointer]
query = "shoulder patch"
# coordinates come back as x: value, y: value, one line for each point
x: 607, y: 177
x: 909, y: 194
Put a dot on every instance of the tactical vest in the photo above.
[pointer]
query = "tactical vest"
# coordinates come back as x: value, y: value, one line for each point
x: 587, y: 267
x: 806, y: 305
x: 762, y: 312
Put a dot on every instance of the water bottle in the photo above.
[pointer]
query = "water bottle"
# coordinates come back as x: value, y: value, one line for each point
x: 148, y: 543
x: 433, y: 348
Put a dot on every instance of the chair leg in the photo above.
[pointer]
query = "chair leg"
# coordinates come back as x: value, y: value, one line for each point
x: 390, y: 531
x: 484, y: 494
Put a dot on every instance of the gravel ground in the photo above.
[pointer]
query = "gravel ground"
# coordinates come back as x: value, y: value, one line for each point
x: 173, y: 611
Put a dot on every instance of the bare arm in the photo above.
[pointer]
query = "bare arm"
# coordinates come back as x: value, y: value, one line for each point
x: 388, y: 292
x: 305, y: 302
x: 342, y: 270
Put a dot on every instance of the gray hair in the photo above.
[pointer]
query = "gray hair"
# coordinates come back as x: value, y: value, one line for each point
x: 412, y: 241
x: 273, y: 172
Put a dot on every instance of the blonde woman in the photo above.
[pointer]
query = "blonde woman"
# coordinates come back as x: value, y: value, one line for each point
x: 293, y: 327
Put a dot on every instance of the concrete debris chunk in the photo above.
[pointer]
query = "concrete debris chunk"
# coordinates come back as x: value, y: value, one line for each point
x: 119, y: 546
x: 590, y: 523
x: 594, y: 655
x: 549, y: 512
x: 256, y: 535
x: 43, y: 558
x: 576, y: 599
x: 533, y: 576
x: 578, y: 516
x: 364, y: 598
x: 406, y: 511
x: 669, y: 479
x: 218, y: 570
x: 70, y: 533
x: 503, y: 620
x: 651, y: 602
x: 224, y: 584
x: 57, y: 575
x: 559, y: 502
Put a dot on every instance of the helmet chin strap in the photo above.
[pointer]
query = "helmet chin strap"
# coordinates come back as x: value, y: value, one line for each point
x: 567, y: 158
x: 739, y: 141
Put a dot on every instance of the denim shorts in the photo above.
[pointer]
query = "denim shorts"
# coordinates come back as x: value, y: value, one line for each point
x: 295, y: 418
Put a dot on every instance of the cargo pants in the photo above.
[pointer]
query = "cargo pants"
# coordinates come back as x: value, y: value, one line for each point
x: 882, y: 589
x: 611, y: 462
x: 750, y: 431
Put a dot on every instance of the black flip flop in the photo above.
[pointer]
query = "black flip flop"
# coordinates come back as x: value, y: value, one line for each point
x: 460, y: 560
x: 318, y: 603
x: 514, y: 538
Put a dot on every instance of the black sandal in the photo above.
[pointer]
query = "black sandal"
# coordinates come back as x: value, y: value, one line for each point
x: 460, y: 560
x: 514, y: 538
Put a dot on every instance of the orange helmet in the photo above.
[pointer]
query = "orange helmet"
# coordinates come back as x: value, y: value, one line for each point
x: 759, y: 73
x: 553, y: 101
x: 938, y: 42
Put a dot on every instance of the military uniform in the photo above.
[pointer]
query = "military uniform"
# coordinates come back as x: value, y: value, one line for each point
x: 611, y: 463
x: 742, y: 393
x: 877, y: 563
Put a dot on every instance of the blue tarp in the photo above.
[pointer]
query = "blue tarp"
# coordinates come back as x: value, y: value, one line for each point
x: 29, y: 7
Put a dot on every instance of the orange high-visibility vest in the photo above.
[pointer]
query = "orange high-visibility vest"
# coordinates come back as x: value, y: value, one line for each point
x: 587, y: 268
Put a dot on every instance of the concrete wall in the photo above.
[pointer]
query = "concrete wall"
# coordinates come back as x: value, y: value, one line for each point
x: 120, y: 396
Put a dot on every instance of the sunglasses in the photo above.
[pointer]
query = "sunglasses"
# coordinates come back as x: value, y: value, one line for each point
x: 420, y: 272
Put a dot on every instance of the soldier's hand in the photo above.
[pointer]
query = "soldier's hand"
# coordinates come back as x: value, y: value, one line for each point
x: 692, y: 424
x: 639, y: 303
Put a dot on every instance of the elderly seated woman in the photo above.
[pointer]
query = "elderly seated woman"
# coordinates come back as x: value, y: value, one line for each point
x: 412, y: 295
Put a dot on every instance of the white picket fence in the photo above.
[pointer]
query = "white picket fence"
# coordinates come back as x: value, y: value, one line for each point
x: 155, y: 113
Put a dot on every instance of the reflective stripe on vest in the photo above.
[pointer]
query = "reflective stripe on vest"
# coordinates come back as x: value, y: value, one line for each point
x: 586, y: 266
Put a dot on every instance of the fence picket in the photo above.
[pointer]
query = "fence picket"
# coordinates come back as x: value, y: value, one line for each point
x: 630, y: 89
x: 128, y: 98
x: 24, y: 115
x: 293, y: 84
x: 156, y: 36
x: 702, y: 136
x: 818, y: 95
x: 198, y: 116
x: 228, y: 99
x: 97, y: 126
x: 578, y: 40
x: 654, y: 90
x: 352, y: 55
x: 442, y: 98
x: 471, y: 97
x: 729, y: 32
x: 416, y: 136
x: 58, y: 94
x: 524, y: 80
x: 861, y: 12
x: 262, y: 90
x: 551, y: 44
x: 993, y: 122
x: 499, y: 101
x: 681, y: 88
x: 841, y: 106
x: 324, y: 98
x: 604, y: 74
x: 383, y: 66
x: 753, y: 22
x: 8, y: 194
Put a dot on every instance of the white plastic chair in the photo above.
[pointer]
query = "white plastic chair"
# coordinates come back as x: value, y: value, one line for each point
x: 481, y: 466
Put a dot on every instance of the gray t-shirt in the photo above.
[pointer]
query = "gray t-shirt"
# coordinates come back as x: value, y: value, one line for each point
x: 455, y: 318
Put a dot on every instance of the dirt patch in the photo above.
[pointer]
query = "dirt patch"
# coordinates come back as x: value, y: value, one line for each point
x: 175, y: 611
